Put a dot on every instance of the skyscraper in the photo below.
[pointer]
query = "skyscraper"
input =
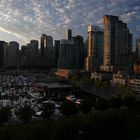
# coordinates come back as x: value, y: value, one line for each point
x: 71, y: 53
x: 3, y: 52
x: 23, y: 57
x: 66, y: 55
x: 43, y: 44
x: 117, y: 45
x: 69, y: 34
x: 95, y: 48
x: 33, y: 53
x: 46, y: 50
x: 79, y: 49
x: 56, y: 52
x: 12, y: 54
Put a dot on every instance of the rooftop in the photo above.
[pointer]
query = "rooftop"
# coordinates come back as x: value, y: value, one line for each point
x: 53, y: 85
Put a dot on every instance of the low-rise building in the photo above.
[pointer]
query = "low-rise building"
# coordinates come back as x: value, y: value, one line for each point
x: 119, y: 79
x: 134, y: 84
x: 102, y: 76
x: 137, y: 67
x: 54, y: 90
x: 65, y: 73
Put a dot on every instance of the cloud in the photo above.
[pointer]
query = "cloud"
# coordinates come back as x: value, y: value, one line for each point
x: 27, y: 19
x: 14, y: 34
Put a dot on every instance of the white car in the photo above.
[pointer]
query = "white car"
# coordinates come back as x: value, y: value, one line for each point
x: 3, y: 94
x: 78, y: 101
x: 38, y: 113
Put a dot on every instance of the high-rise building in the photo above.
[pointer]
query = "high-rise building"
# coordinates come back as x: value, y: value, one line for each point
x: 33, y: 53
x: 3, y: 53
x: 71, y: 52
x: 34, y: 46
x: 46, y: 42
x: 69, y: 34
x: 66, y: 55
x: 23, y: 57
x: 95, y: 48
x: 56, y: 52
x: 43, y: 44
x: 138, y: 49
x: 79, y: 49
x: 12, y: 54
x: 117, y: 45
x: 46, y: 50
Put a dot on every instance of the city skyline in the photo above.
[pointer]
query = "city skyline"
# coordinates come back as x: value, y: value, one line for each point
x: 25, y: 20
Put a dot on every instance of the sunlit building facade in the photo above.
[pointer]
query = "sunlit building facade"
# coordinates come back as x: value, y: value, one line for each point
x: 117, y: 45
x: 95, y: 48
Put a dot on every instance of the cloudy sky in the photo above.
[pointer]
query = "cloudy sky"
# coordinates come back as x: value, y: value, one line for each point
x: 23, y: 20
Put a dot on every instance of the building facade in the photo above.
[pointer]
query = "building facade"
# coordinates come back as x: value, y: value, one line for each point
x: 79, y: 51
x: 95, y: 48
x: 46, y: 46
x: 69, y: 34
x: 3, y: 53
x: 23, y: 57
x: 43, y: 44
x: 117, y: 45
x: 56, y: 52
x: 71, y: 52
x: 67, y: 55
x: 33, y: 53
x: 12, y: 54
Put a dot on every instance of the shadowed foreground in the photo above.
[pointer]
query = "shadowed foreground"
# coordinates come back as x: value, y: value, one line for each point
x: 110, y: 124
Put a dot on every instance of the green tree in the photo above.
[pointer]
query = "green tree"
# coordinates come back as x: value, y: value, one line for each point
x: 102, y: 104
x: 124, y: 91
x: 130, y: 101
x: 86, y: 106
x: 68, y: 108
x: 116, y: 102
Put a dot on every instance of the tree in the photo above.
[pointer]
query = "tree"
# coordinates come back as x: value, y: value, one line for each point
x: 85, y: 106
x: 25, y: 113
x: 130, y: 101
x: 124, y: 91
x: 48, y: 109
x: 117, y: 102
x: 102, y: 86
x: 102, y: 104
x: 68, y: 108
x: 5, y: 114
